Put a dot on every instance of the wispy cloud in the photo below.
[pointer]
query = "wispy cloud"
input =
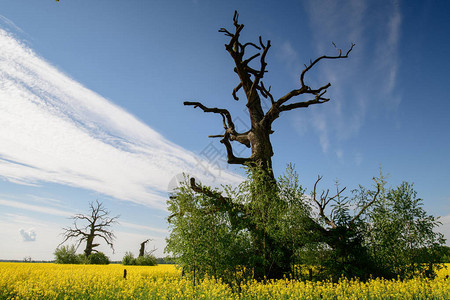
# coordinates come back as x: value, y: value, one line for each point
x: 386, y: 52
x: 53, y: 129
x: 365, y: 80
x: 289, y: 56
x: 445, y: 220
x: 143, y: 227
x: 45, y: 209
x: 445, y: 227
x: 28, y: 235
x: 5, y: 22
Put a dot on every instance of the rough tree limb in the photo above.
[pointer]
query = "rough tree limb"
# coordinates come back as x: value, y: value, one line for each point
x: 324, y: 200
x: 250, y: 81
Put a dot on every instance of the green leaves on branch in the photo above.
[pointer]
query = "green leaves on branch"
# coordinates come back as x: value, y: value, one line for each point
x: 268, y: 228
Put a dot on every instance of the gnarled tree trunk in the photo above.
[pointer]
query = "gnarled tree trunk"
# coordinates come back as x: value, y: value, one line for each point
x: 257, y: 138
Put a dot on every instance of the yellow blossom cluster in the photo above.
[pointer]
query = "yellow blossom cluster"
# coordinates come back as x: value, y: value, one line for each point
x: 52, y: 281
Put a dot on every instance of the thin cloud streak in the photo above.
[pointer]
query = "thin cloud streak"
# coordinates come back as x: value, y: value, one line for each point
x: 53, y: 129
x: 143, y: 227
x: 10, y: 24
x: 367, y: 77
x: 36, y: 208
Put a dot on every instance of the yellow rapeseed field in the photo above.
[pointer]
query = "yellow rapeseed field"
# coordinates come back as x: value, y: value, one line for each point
x: 52, y: 281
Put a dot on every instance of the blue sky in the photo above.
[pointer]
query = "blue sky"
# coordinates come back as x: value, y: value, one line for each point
x: 91, y: 97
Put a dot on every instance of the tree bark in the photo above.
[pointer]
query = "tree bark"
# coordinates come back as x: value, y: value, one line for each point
x: 250, y: 80
x: 258, y: 136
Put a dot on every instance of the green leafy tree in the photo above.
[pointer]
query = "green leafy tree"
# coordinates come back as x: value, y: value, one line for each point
x: 381, y: 232
x: 128, y: 259
x: 98, y: 258
x: 249, y: 240
x: 148, y: 259
x: 202, y: 239
x: 66, y: 255
x: 401, y: 235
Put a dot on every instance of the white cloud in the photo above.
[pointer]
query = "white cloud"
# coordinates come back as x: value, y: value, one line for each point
x: 44, y: 233
x: 445, y: 220
x: 36, y: 208
x: 386, y: 52
x: 53, y: 129
x: 143, y: 227
x: 319, y: 123
x: 445, y: 227
x: 29, y: 235
x: 8, y: 23
x: 42, y: 247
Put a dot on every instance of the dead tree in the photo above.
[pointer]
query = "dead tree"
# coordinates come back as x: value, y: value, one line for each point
x: 97, y: 225
x: 251, y: 82
x: 142, y: 248
x: 251, y: 69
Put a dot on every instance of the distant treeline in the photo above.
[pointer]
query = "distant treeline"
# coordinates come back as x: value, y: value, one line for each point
x: 160, y: 261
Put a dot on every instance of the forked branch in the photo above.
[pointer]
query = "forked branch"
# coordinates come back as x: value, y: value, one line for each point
x: 318, y: 93
x: 312, y: 63
x: 223, y: 112
x: 368, y: 204
x: 323, y: 202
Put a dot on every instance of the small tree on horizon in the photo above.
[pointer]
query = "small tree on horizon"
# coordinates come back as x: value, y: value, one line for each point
x: 97, y: 225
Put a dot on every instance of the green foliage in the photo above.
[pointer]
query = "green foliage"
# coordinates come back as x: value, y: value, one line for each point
x: 146, y: 260
x: 400, y: 234
x: 202, y: 238
x: 165, y: 260
x: 82, y: 259
x: 128, y: 259
x: 66, y: 255
x: 98, y: 258
x: 252, y: 232
x: 268, y: 229
x: 444, y: 254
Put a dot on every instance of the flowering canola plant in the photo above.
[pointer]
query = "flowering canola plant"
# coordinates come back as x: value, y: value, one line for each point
x: 53, y: 281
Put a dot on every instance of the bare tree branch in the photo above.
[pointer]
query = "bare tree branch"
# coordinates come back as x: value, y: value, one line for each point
x: 278, y: 106
x: 230, y: 132
x: 265, y: 92
x: 317, y: 100
x: 352, y: 221
x: 235, y: 90
x: 223, y: 112
x: 230, y: 156
x: 302, y: 76
x: 324, y: 201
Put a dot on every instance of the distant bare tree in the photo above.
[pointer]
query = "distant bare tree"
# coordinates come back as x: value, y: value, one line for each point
x: 98, y: 224
x: 142, y: 249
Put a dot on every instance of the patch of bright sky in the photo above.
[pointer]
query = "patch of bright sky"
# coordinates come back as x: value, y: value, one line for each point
x: 91, y: 107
